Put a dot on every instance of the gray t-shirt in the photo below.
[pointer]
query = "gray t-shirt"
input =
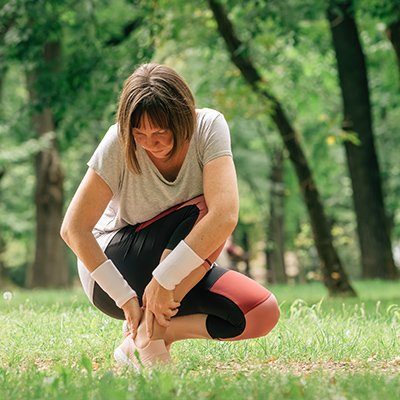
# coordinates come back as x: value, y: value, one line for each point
x: 138, y: 198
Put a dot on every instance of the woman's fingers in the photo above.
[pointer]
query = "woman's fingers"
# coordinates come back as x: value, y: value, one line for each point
x: 134, y: 332
x: 174, y: 304
x: 162, y: 320
x: 171, y: 313
x: 134, y: 326
x: 149, y: 316
x: 161, y: 314
x: 144, y: 299
x: 133, y: 315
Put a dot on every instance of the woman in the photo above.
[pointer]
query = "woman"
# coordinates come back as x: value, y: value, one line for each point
x: 151, y: 216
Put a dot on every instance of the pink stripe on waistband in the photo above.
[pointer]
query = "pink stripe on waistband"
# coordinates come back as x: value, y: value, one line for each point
x: 196, y: 201
x: 200, y: 203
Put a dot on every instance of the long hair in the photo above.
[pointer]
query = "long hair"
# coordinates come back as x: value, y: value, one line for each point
x: 164, y: 96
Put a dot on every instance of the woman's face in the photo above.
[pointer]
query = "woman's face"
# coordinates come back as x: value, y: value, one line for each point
x: 157, y: 141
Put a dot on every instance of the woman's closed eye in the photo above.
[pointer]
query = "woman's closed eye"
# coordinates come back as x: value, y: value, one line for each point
x: 160, y: 132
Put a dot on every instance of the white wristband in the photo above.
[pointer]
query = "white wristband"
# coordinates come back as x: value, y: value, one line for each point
x: 176, y: 266
x: 113, y: 283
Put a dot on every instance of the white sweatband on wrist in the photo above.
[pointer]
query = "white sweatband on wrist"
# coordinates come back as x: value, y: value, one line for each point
x: 177, y: 266
x: 113, y: 283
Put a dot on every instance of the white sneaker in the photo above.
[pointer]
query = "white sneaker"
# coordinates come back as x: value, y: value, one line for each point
x: 128, y: 354
x: 124, y: 354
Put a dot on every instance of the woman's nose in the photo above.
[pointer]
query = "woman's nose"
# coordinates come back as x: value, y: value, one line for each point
x: 153, y: 142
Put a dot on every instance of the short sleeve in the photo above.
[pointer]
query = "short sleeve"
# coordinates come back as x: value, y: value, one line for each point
x: 107, y: 159
x: 217, y: 140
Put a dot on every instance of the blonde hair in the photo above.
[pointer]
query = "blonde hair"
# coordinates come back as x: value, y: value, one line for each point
x: 164, y: 96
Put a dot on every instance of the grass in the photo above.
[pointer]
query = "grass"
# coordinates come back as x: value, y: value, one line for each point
x: 56, y: 345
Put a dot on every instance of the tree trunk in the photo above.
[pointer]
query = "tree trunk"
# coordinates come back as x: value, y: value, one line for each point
x: 50, y: 267
x: 3, y: 70
x: 8, y: 16
x: 376, y: 250
x: 393, y: 33
x: 335, y: 278
x: 2, y: 264
x: 246, y: 248
x: 275, y: 241
x: 2, y: 76
x: 2, y: 241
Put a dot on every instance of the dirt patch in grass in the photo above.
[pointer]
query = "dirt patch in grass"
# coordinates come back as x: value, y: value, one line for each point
x: 389, y: 367
x: 297, y: 368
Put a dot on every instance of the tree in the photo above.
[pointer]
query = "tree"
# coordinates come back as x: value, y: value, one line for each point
x: 335, y: 277
x: 275, y: 241
x: 387, y: 11
x: 362, y: 161
x: 50, y: 267
x: 56, y: 77
x: 393, y: 32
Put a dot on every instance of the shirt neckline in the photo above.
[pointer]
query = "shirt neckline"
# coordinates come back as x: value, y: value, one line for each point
x: 157, y: 171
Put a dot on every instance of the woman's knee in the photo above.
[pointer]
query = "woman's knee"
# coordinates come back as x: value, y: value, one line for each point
x: 258, y: 305
x: 262, y: 318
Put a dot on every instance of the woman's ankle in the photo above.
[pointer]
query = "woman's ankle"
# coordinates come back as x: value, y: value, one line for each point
x: 142, y: 340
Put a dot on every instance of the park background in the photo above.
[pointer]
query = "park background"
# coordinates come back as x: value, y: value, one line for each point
x: 310, y: 90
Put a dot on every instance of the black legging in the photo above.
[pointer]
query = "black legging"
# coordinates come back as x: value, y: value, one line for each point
x: 136, y: 251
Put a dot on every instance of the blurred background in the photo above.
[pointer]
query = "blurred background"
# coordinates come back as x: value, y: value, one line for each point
x: 310, y: 90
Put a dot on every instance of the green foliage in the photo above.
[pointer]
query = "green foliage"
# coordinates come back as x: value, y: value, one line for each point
x: 387, y: 11
x: 290, y: 45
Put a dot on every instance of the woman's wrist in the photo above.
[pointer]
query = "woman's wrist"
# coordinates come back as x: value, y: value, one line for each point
x: 113, y: 283
x: 134, y: 298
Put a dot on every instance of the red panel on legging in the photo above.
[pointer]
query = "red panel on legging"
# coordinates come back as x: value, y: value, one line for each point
x: 243, y: 291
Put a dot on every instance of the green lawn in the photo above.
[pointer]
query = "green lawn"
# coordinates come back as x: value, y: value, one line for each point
x: 55, y: 345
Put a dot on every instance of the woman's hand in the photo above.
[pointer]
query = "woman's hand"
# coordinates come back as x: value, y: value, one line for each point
x: 133, y: 314
x: 158, y: 302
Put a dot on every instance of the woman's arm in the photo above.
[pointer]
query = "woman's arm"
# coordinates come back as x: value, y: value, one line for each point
x: 222, y: 199
x: 85, y: 209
